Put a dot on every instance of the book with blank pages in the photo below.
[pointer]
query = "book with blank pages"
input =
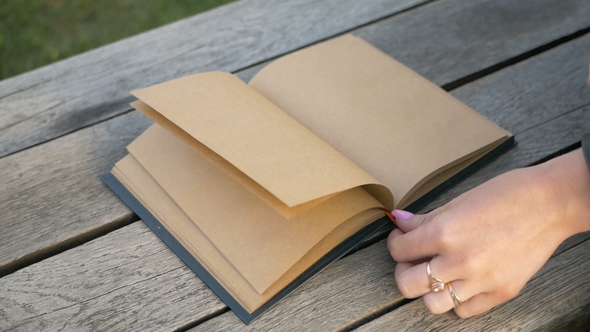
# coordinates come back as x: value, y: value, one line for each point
x: 259, y: 186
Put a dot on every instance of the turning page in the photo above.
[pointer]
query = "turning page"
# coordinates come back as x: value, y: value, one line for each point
x: 234, y: 121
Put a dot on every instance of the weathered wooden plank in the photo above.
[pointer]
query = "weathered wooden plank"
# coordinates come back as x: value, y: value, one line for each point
x: 91, y: 87
x: 80, y: 91
x: 125, y: 280
x: 495, y: 30
x: 432, y: 40
x: 347, y: 293
x: 558, y: 295
x: 52, y: 194
x: 50, y: 219
x: 146, y: 285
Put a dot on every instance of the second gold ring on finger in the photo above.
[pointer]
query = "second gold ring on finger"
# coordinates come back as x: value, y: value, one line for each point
x: 456, y: 299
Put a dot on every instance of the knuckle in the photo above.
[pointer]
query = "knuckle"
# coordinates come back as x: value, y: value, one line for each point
x: 470, y: 267
x: 495, y: 275
x: 441, y: 237
x: 444, y: 239
x: 509, y: 291
x: 513, y: 290
x: 393, y: 250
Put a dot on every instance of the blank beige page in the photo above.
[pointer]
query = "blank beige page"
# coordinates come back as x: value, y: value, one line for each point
x: 257, y: 240
x: 151, y: 195
x: 225, y: 166
x: 394, y: 124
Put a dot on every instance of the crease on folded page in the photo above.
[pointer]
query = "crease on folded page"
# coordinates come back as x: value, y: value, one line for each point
x: 227, y: 117
x: 239, y: 176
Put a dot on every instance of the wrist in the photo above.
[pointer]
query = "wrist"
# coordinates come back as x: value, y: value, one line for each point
x: 567, y: 180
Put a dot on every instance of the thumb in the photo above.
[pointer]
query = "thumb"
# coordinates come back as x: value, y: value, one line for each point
x: 407, y: 221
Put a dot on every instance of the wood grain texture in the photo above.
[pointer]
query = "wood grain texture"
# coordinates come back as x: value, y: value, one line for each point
x: 88, y: 88
x: 348, y: 293
x: 126, y: 280
x: 447, y: 40
x: 344, y: 291
x: 55, y: 210
x: 53, y: 193
x: 77, y: 92
x: 556, y: 296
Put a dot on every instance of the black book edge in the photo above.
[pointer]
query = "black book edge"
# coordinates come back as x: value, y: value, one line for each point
x: 342, y: 249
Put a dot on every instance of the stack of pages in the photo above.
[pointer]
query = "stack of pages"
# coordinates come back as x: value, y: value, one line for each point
x: 258, y: 186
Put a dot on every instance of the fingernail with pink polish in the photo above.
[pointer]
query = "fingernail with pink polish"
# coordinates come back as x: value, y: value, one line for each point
x: 401, y: 214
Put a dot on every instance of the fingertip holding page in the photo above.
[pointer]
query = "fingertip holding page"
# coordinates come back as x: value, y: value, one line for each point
x: 398, y: 214
x: 402, y: 215
x: 390, y: 217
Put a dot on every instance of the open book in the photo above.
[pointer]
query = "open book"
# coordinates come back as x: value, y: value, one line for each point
x: 258, y: 186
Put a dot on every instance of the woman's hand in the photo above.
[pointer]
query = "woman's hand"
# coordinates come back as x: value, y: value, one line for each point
x: 488, y: 242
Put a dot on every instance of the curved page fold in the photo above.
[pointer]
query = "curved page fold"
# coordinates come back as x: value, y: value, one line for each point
x: 255, y: 239
x: 244, y: 128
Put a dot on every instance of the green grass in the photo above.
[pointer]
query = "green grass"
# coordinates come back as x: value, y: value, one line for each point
x: 34, y: 33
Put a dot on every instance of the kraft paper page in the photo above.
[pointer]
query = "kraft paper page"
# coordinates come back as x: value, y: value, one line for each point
x: 390, y: 121
x: 142, y: 185
x: 258, y: 241
x: 224, y: 165
x: 251, y: 133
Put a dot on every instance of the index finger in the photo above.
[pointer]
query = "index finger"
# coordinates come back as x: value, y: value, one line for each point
x: 414, y: 245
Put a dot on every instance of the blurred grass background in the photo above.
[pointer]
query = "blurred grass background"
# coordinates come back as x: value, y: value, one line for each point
x: 34, y: 33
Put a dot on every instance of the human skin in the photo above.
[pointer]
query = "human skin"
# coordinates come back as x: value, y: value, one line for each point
x: 491, y: 240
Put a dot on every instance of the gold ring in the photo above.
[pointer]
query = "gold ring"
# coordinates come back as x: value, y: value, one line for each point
x: 436, y: 285
x: 454, y: 296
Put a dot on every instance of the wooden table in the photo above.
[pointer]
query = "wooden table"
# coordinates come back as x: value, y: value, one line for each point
x: 74, y: 257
